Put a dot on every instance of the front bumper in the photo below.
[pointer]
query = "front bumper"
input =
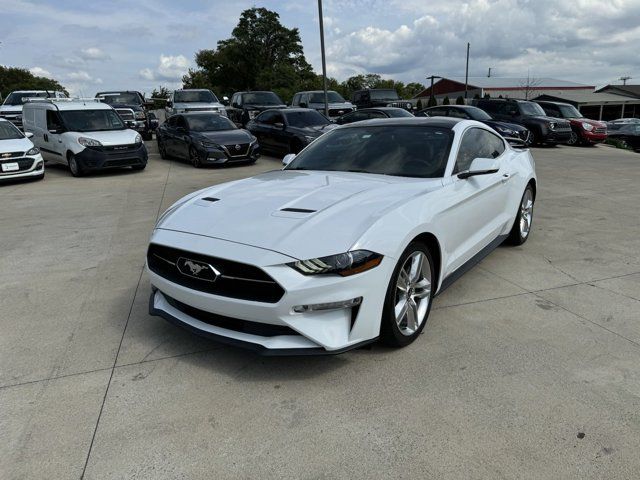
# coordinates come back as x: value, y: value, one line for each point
x: 94, y: 159
x: 593, y: 137
x: 554, y: 136
x: 28, y: 167
x: 317, y: 332
x: 214, y: 156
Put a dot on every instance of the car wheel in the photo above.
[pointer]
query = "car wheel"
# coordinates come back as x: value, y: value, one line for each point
x: 524, y: 219
x: 536, y: 139
x: 162, y: 149
x: 409, y: 294
x: 194, y: 157
x: 573, y: 139
x: 74, y: 166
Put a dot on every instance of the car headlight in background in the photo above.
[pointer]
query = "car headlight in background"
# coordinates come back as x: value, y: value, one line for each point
x: 408, y: 106
x: 587, y: 126
x: 33, y: 151
x: 89, y: 142
x: 138, y: 139
x: 552, y: 126
x: 140, y: 116
x: 344, y: 264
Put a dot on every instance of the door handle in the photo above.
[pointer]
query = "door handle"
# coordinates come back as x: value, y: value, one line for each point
x: 505, y: 178
x: 46, y: 137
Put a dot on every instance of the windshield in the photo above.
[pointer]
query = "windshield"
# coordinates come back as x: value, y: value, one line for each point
x: 407, y: 151
x: 208, y: 123
x: 476, y: 114
x: 126, y: 98
x: 332, y: 97
x: 569, y: 111
x: 194, y: 96
x: 261, y: 98
x: 384, y: 95
x: 15, y: 98
x: 305, y: 118
x: 9, y: 132
x: 530, y: 108
x: 91, y: 120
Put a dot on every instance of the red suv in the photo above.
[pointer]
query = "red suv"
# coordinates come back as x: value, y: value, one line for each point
x: 583, y: 130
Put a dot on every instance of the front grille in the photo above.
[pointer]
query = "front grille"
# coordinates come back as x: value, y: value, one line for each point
x: 11, y: 155
x: 563, y: 127
x: 240, y: 152
x: 115, y: 149
x: 23, y: 165
x: 600, y: 130
x: 335, y: 112
x: 236, y: 280
x: 235, y: 324
x: 122, y: 162
x: 202, y: 109
x: 125, y: 113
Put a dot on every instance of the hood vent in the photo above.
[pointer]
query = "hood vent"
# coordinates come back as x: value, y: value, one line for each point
x: 297, y: 210
x: 210, y: 199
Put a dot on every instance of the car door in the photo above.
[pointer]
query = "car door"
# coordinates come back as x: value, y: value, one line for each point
x: 263, y: 129
x: 477, y: 210
x: 52, y: 147
x: 280, y: 134
x: 181, y: 138
x: 169, y: 134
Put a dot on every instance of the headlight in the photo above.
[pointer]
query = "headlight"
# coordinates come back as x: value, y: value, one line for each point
x: 89, y: 142
x: 223, y: 112
x: 552, y: 126
x: 207, y: 144
x: 587, y: 126
x: 138, y: 139
x: 409, y: 106
x: 140, y: 116
x: 343, y: 264
x: 33, y: 151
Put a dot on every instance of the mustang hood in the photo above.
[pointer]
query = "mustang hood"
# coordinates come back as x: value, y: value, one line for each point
x: 297, y: 213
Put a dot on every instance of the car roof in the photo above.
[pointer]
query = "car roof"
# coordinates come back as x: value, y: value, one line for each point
x: 443, y: 122
x: 257, y: 91
x: 315, y: 91
x: 191, y: 90
x: 552, y: 103
x: 72, y: 105
x: 383, y: 109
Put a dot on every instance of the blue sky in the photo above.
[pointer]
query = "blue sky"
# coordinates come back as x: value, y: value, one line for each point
x: 90, y: 46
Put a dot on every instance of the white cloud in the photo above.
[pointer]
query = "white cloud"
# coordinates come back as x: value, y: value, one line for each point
x: 93, y: 53
x: 79, y: 76
x: 40, y: 72
x: 170, y: 69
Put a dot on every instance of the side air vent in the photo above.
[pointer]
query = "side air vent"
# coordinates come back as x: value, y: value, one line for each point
x: 297, y: 210
x: 210, y: 199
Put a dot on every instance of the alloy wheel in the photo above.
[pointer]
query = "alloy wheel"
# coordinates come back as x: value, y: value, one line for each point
x: 413, y: 293
x: 573, y: 139
x: 194, y: 156
x: 526, y: 213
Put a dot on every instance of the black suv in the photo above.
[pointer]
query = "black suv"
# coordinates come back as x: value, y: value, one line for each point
x: 379, y: 97
x: 132, y: 108
x: 544, y: 129
x: 246, y: 106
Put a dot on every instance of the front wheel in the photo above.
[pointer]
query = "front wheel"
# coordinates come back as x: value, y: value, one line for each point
x: 409, y: 294
x: 573, y: 139
x: 524, y: 219
x: 194, y: 157
x: 74, y: 166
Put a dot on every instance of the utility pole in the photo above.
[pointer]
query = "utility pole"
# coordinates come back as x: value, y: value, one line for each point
x: 324, y: 62
x: 489, y: 74
x: 624, y: 80
x: 466, y: 75
x: 432, y: 77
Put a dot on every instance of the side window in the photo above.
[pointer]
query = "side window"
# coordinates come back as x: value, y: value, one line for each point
x: 171, y: 121
x: 356, y: 117
x: 356, y: 97
x: 296, y: 99
x: 437, y: 112
x: 376, y: 114
x: 477, y: 143
x: 53, y: 120
x: 551, y: 110
x: 509, y: 108
x: 267, y: 118
x: 457, y: 113
x: 490, y: 107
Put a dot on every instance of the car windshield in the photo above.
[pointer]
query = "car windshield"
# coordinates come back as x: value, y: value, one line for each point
x: 126, y: 98
x: 261, y: 98
x: 332, y: 97
x: 398, y: 113
x: 530, y: 108
x: 209, y: 123
x: 305, y: 118
x: 16, y: 98
x: 9, y: 132
x: 476, y: 114
x: 384, y: 95
x: 399, y: 150
x: 194, y: 96
x: 91, y: 120
x: 569, y: 111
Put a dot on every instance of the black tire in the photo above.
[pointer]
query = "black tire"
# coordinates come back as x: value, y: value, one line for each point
x: 574, y: 139
x: 536, y: 139
x: 139, y: 167
x: 162, y: 150
x: 516, y: 235
x: 194, y: 157
x: 390, y: 331
x: 75, y: 167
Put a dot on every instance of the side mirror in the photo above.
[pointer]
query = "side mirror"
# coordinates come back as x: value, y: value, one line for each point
x: 481, y: 166
x: 278, y: 125
x: 288, y: 158
x: 28, y: 135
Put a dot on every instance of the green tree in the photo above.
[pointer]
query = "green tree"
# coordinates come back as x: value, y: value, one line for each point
x: 460, y: 100
x: 412, y: 89
x: 486, y: 95
x: 157, y: 95
x: 446, y: 100
x: 419, y: 104
x: 261, y: 54
x: 13, y: 78
x: 432, y: 102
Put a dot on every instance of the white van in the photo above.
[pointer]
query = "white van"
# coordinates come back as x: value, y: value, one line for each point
x: 86, y: 135
x: 11, y: 108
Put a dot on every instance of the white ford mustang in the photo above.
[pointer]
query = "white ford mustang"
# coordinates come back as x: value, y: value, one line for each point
x: 348, y: 243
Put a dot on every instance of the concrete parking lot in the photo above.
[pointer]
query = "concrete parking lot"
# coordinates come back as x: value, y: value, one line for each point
x: 529, y: 366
